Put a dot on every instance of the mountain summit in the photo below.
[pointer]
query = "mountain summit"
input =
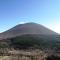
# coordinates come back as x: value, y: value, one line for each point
x: 27, y: 28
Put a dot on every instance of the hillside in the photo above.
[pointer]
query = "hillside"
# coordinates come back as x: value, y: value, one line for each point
x: 36, y: 41
x: 28, y: 28
x: 30, y: 35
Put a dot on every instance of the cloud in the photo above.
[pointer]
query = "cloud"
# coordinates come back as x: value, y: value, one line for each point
x: 22, y: 22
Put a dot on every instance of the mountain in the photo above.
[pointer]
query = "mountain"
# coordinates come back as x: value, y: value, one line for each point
x: 27, y: 28
x: 30, y: 35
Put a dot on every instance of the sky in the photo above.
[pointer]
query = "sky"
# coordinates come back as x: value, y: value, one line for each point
x: 45, y: 12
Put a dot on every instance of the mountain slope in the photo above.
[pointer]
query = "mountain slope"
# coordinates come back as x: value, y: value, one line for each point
x: 36, y: 41
x: 28, y: 28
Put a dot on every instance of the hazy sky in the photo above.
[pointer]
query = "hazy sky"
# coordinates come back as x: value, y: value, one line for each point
x: 45, y: 12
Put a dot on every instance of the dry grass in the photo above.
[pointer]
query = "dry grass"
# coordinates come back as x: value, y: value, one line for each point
x: 23, y: 55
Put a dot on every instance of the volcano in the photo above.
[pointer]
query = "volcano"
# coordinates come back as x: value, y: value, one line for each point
x: 27, y: 28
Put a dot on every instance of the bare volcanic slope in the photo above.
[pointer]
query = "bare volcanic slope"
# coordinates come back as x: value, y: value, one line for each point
x: 27, y: 28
